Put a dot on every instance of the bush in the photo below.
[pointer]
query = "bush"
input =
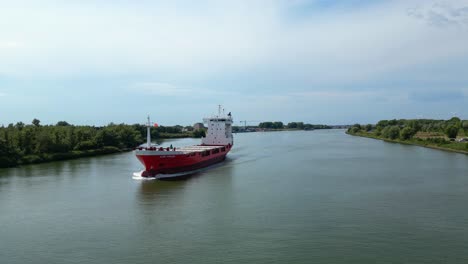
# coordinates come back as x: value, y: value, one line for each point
x: 378, y: 131
x: 391, y: 132
x: 451, y: 131
x: 86, y: 145
x: 394, y: 132
x: 353, y: 130
x: 29, y: 159
x: 406, y: 133
x: 198, y: 133
x: 438, y: 141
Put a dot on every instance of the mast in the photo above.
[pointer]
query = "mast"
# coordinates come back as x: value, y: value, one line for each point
x: 148, y: 133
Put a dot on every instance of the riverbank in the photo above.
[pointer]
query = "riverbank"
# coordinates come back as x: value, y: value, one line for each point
x: 76, y: 154
x: 51, y: 157
x: 452, y: 146
x: 28, y: 144
x: 251, y: 130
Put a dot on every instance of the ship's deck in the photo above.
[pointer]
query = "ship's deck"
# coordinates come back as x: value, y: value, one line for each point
x: 177, y: 151
x: 190, y: 149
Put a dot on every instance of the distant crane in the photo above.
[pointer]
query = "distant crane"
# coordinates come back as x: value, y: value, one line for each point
x: 248, y: 121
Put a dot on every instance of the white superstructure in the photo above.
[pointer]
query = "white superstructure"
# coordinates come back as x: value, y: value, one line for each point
x: 219, y: 131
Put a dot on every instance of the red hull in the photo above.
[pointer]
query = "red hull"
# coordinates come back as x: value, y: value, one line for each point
x: 170, y: 162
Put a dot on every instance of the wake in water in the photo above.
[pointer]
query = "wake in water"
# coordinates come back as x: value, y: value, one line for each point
x: 138, y: 175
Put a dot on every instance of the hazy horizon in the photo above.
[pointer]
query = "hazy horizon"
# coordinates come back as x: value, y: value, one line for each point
x: 320, y: 62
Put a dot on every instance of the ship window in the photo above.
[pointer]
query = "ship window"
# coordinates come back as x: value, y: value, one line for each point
x: 223, y: 149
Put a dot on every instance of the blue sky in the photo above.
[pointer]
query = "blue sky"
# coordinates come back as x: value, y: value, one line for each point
x: 317, y: 61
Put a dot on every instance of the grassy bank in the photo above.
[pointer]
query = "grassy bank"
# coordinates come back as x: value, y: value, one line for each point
x: 443, y: 145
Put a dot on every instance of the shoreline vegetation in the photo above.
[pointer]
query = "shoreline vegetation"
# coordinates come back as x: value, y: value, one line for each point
x: 279, y: 126
x: 22, y: 144
x: 448, y: 135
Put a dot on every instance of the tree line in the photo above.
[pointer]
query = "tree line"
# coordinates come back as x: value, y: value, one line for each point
x: 291, y: 125
x: 21, y: 143
x: 407, y: 129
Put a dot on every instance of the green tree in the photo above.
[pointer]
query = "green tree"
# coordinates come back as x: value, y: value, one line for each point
x: 451, y: 131
x: 86, y: 145
x: 292, y: 125
x: 455, y: 121
x: 19, y: 125
x: 382, y: 123
x: 392, y: 122
x: 266, y: 125
x: 415, y: 125
x: 391, y: 132
x: 278, y: 125
x: 406, y: 133
x: 43, y: 142
x: 394, y: 132
x: 199, y: 133
x: 465, y: 126
x: 107, y: 137
x: 62, y: 123
x: 353, y: 130
x: 9, y: 155
x: 36, y: 122
x: 378, y: 131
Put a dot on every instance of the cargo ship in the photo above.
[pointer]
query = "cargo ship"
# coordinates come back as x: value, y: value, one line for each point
x: 167, y: 162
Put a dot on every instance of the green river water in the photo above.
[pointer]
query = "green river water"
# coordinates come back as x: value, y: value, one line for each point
x: 280, y: 197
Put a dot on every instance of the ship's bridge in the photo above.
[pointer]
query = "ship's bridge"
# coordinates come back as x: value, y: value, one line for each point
x: 219, y: 130
x: 227, y: 120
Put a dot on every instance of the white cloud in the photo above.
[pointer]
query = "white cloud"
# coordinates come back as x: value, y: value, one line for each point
x: 443, y: 14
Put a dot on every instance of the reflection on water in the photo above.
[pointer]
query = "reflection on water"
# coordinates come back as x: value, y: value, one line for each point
x: 152, y: 189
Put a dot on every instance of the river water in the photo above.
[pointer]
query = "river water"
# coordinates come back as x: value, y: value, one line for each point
x: 280, y: 197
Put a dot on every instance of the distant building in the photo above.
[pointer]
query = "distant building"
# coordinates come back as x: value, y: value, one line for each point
x: 198, y: 126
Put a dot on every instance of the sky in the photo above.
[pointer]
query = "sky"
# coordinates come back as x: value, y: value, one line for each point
x: 317, y: 61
